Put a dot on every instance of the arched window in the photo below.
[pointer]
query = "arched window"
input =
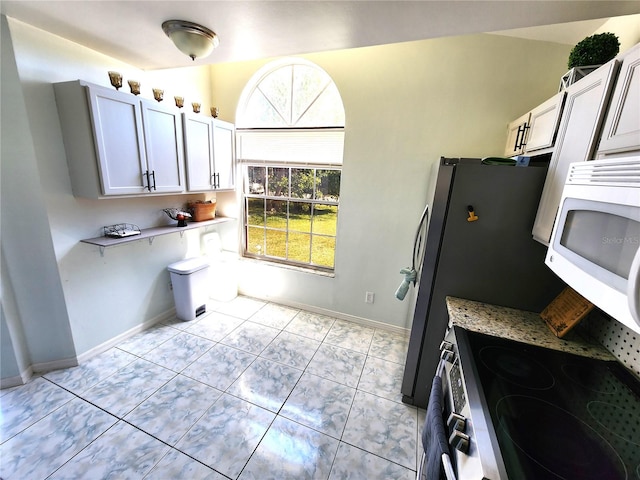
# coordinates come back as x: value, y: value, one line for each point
x: 290, y: 132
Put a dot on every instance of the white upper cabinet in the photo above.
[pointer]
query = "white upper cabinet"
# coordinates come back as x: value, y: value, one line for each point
x: 119, y: 141
x: 209, y: 151
x: 223, y: 154
x: 198, y: 138
x: 543, y: 125
x: 621, y: 132
x: 119, y: 144
x: 577, y: 136
x: 164, y: 147
x: 535, y: 131
x: 516, y: 136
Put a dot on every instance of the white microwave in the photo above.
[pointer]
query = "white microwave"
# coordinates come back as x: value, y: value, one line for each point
x: 595, y: 242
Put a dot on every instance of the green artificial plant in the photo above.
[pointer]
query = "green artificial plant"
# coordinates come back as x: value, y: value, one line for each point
x: 594, y: 50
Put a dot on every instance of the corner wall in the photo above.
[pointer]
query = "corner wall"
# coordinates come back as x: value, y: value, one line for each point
x: 37, y: 323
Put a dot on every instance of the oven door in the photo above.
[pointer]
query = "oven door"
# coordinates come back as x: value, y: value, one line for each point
x: 435, y: 459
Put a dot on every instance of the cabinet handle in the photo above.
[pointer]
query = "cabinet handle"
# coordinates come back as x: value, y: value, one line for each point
x: 517, y: 145
x: 217, y: 180
x: 520, y: 137
x: 153, y: 174
x: 148, y: 187
x: 524, y: 136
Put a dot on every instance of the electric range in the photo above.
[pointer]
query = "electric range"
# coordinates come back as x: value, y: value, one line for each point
x: 530, y: 412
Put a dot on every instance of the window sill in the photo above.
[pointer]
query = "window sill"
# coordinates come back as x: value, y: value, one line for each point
x: 286, y: 266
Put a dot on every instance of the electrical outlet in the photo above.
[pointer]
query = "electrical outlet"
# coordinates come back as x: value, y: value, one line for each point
x: 170, y: 286
x: 368, y: 297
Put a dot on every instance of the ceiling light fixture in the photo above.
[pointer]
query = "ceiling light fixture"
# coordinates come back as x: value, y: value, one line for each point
x: 191, y: 39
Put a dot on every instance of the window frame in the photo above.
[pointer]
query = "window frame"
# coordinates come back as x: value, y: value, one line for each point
x: 288, y: 199
x: 313, y: 159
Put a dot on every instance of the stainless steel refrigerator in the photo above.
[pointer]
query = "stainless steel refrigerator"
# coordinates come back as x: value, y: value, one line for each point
x: 491, y: 258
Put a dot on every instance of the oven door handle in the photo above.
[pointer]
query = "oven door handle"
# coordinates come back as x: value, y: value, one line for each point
x: 445, y: 459
x: 448, y: 468
x: 446, y: 465
x: 441, y: 363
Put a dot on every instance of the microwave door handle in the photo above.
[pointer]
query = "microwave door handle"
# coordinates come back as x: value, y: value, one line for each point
x: 633, y: 288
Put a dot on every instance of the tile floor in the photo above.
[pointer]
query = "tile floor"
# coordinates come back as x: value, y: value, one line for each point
x: 251, y: 390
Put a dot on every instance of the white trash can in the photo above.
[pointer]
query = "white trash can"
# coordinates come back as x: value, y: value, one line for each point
x: 189, y: 279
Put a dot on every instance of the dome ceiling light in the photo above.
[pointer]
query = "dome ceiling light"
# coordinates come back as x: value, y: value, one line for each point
x: 191, y: 39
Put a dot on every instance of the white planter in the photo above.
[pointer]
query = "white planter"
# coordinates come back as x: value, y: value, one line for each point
x: 575, y: 74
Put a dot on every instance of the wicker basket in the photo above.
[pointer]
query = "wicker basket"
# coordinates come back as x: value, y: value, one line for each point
x: 202, y: 211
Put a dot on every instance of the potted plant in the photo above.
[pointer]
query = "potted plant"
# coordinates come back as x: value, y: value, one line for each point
x: 588, y: 54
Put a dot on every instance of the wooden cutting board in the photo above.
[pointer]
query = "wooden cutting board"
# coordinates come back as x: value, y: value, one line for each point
x: 566, y: 311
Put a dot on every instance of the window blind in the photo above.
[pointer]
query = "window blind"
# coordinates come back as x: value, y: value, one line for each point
x: 301, y: 147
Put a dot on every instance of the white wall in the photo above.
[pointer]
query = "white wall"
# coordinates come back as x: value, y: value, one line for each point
x: 627, y: 29
x: 92, y: 298
x: 406, y: 105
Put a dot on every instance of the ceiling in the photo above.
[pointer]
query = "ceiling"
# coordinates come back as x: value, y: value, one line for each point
x: 130, y: 30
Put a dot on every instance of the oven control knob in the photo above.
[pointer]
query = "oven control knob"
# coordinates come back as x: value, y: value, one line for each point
x: 456, y: 422
x: 446, y: 351
x: 459, y: 441
x: 446, y: 346
x: 447, y: 356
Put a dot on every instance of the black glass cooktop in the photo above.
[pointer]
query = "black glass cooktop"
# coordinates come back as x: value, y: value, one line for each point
x: 558, y: 415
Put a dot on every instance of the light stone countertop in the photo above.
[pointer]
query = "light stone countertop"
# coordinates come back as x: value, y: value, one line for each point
x: 518, y: 325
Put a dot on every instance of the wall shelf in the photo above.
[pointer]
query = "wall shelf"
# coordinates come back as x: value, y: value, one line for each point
x: 151, y: 233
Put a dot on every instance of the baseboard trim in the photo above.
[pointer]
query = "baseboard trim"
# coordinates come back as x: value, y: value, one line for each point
x: 44, y: 367
x: 330, y: 313
x: 112, y: 342
x: 17, y: 380
x: 37, y: 368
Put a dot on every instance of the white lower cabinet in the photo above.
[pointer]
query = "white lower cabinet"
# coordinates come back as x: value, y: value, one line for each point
x: 119, y: 144
x: 576, y: 141
x: 209, y: 153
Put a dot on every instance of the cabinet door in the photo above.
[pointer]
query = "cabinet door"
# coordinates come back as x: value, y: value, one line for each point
x: 543, y: 123
x: 198, y: 141
x: 621, y: 132
x: 223, y: 154
x: 516, y: 136
x: 577, y: 135
x: 164, y: 147
x: 117, y: 127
